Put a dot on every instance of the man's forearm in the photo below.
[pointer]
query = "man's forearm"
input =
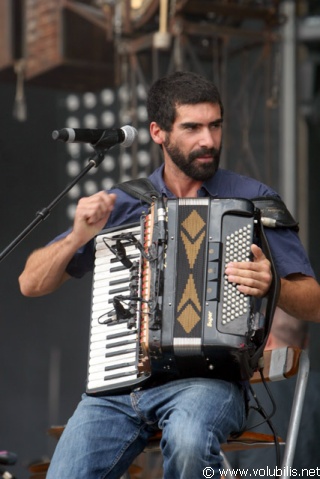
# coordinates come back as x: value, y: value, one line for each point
x: 300, y: 297
x: 45, y: 269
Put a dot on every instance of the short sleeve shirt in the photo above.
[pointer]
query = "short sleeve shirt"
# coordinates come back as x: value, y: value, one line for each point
x: 287, y: 251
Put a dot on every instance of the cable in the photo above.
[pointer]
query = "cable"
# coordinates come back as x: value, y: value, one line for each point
x: 267, y: 417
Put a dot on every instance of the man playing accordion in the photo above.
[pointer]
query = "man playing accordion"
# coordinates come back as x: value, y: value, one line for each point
x: 197, y: 414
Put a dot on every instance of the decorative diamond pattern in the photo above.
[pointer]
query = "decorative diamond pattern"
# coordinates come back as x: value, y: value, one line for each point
x: 192, y: 235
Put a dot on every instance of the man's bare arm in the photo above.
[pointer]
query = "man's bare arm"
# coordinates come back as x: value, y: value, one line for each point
x: 300, y: 297
x: 45, y: 269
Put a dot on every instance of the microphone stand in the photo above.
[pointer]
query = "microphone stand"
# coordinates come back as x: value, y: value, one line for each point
x: 41, y: 215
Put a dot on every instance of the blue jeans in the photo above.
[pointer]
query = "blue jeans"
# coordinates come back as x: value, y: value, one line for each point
x: 105, y: 434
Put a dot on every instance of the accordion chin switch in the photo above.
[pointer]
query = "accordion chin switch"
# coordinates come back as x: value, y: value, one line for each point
x: 161, y: 303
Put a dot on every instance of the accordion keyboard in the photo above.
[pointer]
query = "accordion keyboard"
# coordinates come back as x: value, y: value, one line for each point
x: 113, y: 350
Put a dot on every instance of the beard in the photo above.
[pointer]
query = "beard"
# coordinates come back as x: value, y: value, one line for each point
x: 189, y: 165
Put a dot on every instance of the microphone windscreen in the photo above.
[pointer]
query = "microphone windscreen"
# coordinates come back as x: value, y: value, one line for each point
x: 130, y: 134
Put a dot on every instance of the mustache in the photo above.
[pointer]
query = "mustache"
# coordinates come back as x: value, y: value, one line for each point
x: 214, y: 152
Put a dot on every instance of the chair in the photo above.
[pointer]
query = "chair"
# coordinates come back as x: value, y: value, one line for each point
x: 277, y: 364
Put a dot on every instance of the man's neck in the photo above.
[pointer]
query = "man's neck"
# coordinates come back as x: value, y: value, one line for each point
x: 181, y: 185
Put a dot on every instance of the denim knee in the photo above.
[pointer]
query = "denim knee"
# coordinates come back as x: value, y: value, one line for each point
x: 188, y: 448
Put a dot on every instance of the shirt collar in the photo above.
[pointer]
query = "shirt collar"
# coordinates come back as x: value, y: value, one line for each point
x: 211, y: 186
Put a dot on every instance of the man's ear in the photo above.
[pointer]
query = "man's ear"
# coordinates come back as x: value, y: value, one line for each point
x: 156, y: 133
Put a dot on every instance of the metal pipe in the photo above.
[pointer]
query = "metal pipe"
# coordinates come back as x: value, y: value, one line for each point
x: 288, y: 109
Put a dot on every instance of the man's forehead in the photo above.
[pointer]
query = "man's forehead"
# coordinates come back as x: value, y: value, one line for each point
x: 198, y: 111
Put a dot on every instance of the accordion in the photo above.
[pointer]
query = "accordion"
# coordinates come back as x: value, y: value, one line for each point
x: 161, y: 302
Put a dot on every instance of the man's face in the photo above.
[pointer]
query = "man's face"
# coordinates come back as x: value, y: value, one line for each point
x: 194, y: 144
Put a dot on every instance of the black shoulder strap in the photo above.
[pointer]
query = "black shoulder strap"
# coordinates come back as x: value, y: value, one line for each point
x: 141, y: 188
x: 274, y: 213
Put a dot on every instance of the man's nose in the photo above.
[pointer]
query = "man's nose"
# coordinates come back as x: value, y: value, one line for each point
x: 207, y: 138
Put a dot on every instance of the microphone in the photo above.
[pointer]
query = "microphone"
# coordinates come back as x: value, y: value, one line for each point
x: 105, y: 138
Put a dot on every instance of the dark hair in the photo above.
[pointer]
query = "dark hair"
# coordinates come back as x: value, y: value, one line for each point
x: 179, y: 88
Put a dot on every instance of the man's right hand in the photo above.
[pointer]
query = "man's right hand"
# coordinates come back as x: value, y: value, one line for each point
x: 91, y: 215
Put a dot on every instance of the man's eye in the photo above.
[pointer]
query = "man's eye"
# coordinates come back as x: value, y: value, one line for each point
x: 215, y: 126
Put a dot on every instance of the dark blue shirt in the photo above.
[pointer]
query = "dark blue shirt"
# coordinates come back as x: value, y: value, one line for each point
x: 287, y: 251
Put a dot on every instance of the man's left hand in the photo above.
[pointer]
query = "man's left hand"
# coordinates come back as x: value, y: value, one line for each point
x: 252, y: 277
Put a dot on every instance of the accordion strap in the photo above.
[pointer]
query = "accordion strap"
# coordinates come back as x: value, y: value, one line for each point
x: 274, y: 213
x: 141, y: 188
